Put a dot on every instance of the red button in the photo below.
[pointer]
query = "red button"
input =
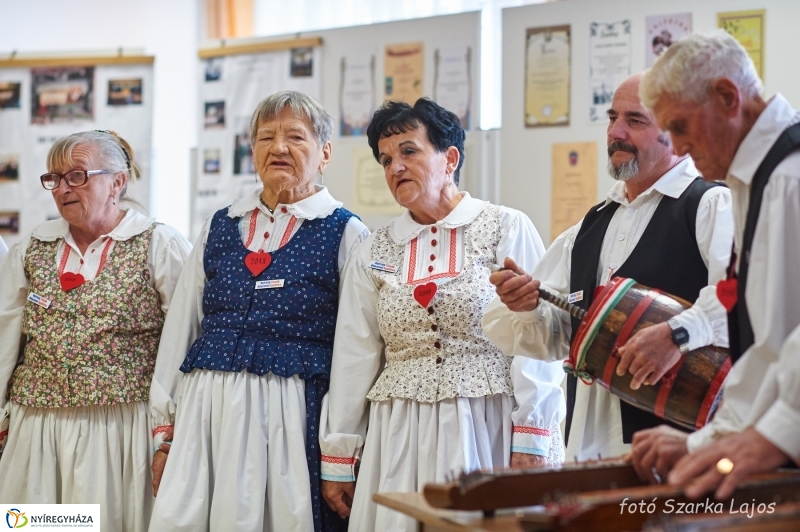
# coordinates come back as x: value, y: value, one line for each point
x: 271, y: 219
x: 438, y: 360
x: 430, y: 310
x: 81, y: 261
x: 266, y: 235
x: 433, y: 229
x: 434, y: 327
x: 437, y: 344
x: 430, y: 268
x: 283, y: 210
x: 433, y: 242
x: 92, y: 251
x: 433, y: 257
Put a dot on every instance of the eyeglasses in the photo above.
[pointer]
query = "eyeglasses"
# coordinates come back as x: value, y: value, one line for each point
x: 74, y: 178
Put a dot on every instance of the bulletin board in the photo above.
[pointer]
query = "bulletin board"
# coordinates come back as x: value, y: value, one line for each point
x: 45, y: 98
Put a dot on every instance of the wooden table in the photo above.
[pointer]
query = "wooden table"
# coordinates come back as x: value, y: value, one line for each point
x: 431, y: 519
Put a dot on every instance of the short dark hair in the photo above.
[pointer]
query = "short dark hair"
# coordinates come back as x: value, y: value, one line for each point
x: 443, y: 127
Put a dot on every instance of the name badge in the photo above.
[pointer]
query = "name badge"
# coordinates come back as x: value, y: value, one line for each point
x: 575, y: 297
x: 39, y: 300
x: 382, y: 266
x: 272, y: 283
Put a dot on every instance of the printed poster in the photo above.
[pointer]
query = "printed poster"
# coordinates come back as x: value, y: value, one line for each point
x: 371, y: 194
x: 62, y: 94
x: 403, y: 67
x: 547, y: 76
x: 663, y: 30
x: 574, y: 185
x: 356, y: 94
x: 747, y: 27
x: 609, y: 64
x: 452, y: 81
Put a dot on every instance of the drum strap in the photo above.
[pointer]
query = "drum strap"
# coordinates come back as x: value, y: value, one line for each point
x: 740, y: 330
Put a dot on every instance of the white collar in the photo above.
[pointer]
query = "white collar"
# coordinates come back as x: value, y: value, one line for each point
x: 403, y: 228
x: 672, y: 184
x: 132, y: 224
x: 774, y: 119
x: 318, y: 205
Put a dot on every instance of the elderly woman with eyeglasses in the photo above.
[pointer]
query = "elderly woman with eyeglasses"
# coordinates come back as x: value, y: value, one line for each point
x: 82, y: 303
x: 255, y: 310
x: 417, y: 390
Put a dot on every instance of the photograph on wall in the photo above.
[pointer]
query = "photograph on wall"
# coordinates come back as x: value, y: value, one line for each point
x: 9, y: 222
x: 9, y: 95
x: 452, y: 80
x: 609, y: 64
x: 747, y: 27
x: 211, y: 161
x: 214, y: 115
x: 302, y: 62
x: 663, y: 30
x: 547, y: 76
x: 9, y: 167
x: 403, y: 67
x: 242, y: 151
x: 574, y: 184
x: 214, y: 68
x: 356, y: 94
x: 125, y: 92
x: 62, y: 94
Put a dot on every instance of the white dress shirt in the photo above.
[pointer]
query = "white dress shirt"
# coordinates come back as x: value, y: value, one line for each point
x: 3, y: 249
x: 544, y: 333
x: 165, y: 258
x: 260, y: 229
x: 761, y: 388
x: 540, y: 400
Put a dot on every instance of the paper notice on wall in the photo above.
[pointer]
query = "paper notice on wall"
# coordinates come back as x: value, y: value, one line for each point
x: 403, y: 67
x: 609, y: 64
x: 371, y: 194
x: 747, y: 27
x: 661, y: 31
x: 452, y: 80
x: 357, y: 99
x: 547, y: 76
x: 574, y: 185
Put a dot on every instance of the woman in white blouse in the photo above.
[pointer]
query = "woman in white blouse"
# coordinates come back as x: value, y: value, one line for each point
x: 245, y: 356
x: 414, y: 380
x: 89, y: 292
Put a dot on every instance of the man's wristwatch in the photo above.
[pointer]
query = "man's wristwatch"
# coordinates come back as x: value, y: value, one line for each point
x: 679, y: 335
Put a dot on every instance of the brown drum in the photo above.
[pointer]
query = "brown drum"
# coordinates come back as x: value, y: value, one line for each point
x: 687, y: 394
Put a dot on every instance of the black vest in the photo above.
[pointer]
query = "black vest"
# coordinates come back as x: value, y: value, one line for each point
x: 740, y: 331
x: 666, y: 257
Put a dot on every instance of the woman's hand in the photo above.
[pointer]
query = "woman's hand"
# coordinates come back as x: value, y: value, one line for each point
x: 339, y: 496
x: 527, y: 461
x: 160, y: 460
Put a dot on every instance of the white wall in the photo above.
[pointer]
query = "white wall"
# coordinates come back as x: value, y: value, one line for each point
x: 167, y: 29
x: 526, y: 153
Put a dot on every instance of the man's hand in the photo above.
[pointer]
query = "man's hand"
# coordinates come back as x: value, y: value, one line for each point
x: 750, y: 452
x: 516, y: 289
x: 339, y: 496
x: 527, y: 461
x: 160, y: 460
x: 648, y: 355
x: 655, y: 451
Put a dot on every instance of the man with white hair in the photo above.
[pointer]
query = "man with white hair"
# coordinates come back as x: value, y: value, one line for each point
x: 659, y: 224
x: 705, y: 91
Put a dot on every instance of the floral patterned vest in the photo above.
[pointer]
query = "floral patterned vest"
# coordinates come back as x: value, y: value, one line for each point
x: 440, y: 352
x: 96, y: 344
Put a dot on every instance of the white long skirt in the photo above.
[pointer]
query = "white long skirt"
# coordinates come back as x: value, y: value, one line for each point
x: 82, y: 455
x: 238, y: 459
x: 410, y: 444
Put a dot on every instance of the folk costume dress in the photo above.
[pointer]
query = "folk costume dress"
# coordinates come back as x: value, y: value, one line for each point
x: 243, y: 365
x: 414, y: 380
x: 76, y: 422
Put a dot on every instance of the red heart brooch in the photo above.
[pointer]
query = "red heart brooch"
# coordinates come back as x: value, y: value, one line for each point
x: 424, y: 294
x: 727, y: 293
x: 257, y: 262
x: 71, y: 280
